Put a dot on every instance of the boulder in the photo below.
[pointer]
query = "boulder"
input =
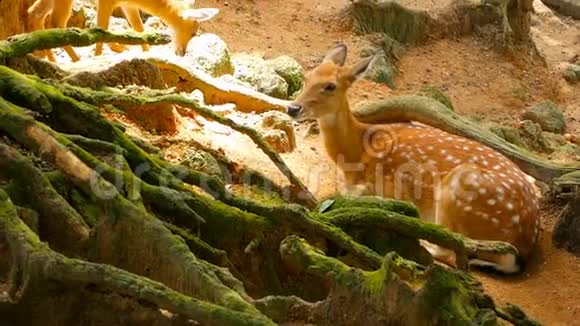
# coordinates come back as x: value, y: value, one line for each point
x: 532, y: 137
x: 572, y: 73
x: 381, y: 71
x: 510, y: 135
x: 291, y: 71
x: 209, y: 53
x: 566, y: 232
x: 256, y: 72
x: 202, y: 161
x: 276, y: 120
x: 548, y: 116
x: 278, y: 140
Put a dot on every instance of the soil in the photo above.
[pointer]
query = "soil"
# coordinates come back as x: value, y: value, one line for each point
x: 480, y: 83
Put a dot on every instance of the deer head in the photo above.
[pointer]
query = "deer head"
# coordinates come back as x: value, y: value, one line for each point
x: 325, y: 87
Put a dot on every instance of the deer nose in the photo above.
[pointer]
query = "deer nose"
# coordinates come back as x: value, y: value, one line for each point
x: 294, y: 109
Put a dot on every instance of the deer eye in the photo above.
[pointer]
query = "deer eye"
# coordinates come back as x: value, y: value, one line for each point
x: 330, y: 87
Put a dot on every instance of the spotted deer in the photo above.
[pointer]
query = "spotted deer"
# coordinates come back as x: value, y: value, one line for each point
x: 179, y: 15
x: 456, y: 182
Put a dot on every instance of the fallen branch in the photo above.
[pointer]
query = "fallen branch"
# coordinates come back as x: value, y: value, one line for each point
x: 22, y: 44
x: 431, y: 112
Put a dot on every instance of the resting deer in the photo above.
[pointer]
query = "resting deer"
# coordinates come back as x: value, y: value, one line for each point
x: 180, y: 17
x: 456, y: 182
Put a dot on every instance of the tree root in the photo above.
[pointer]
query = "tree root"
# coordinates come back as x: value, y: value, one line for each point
x: 35, y: 263
x: 35, y: 88
x: 150, y: 237
x: 431, y: 112
x: 351, y: 289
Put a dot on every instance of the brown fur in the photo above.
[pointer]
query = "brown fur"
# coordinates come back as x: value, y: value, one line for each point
x: 182, y: 20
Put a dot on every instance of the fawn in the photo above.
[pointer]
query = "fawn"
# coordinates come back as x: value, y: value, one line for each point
x: 456, y: 182
x: 180, y: 16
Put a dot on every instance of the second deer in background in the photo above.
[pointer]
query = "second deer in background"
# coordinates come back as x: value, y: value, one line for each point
x: 180, y: 16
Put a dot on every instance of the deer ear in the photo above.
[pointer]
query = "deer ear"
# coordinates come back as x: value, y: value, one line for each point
x: 200, y: 14
x: 337, y: 55
x: 358, y: 70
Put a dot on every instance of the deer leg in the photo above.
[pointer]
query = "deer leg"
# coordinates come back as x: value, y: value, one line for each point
x: 467, y: 209
x: 60, y: 19
x: 104, y: 11
x: 134, y: 18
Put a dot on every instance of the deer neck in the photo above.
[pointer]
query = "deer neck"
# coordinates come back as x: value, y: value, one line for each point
x: 342, y: 135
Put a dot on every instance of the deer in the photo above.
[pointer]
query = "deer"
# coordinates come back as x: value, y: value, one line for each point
x: 463, y: 185
x: 180, y: 16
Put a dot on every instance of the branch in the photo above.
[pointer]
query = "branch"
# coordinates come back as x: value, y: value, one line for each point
x: 22, y: 44
x: 415, y: 228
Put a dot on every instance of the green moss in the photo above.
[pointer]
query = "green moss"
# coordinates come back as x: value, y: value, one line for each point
x: 436, y: 93
x: 389, y: 17
x: 452, y: 303
x: 392, y: 205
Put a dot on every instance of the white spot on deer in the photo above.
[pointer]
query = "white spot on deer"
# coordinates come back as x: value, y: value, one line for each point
x: 430, y: 148
x: 497, y: 167
x: 450, y: 158
x: 510, y: 206
x: 491, y: 202
x: 516, y: 219
x: 481, y: 149
x: 457, y: 161
x: 482, y: 191
x: 465, y: 148
x: 443, y: 152
x: 467, y: 208
x: 495, y: 221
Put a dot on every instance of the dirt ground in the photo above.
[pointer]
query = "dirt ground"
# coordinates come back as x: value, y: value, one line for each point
x: 479, y: 82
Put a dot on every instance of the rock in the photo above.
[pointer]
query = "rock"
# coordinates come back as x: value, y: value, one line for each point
x: 566, y: 232
x: 566, y: 153
x: 554, y: 141
x: 256, y: 72
x: 291, y: 71
x: 281, y: 121
x: 436, y: 94
x: 572, y: 138
x: 210, y: 54
x: 202, y: 161
x: 381, y: 71
x: 548, y: 116
x: 572, y: 73
x: 565, y: 7
x: 278, y: 140
x: 510, y: 135
x: 532, y: 137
